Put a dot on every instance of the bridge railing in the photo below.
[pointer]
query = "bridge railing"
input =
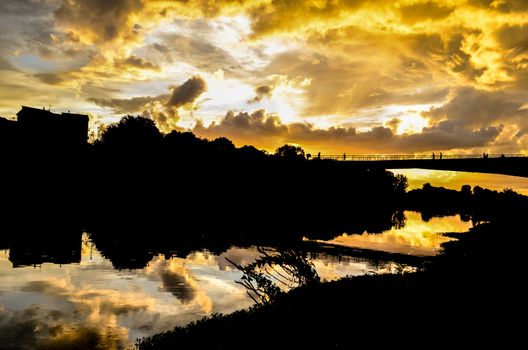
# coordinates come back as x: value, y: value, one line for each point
x: 379, y: 157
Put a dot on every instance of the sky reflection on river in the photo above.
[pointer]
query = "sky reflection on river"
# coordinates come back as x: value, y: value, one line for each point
x: 91, y: 304
x: 417, y: 237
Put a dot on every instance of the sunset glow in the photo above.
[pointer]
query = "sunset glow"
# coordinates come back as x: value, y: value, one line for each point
x: 404, y: 76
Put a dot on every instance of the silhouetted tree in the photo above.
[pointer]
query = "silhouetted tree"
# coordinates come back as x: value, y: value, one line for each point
x: 132, y: 135
x: 222, y: 147
x: 223, y: 144
x: 251, y: 153
x: 290, y: 152
x: 185, y: 145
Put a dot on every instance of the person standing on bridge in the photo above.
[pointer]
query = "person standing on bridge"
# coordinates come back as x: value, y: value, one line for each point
x: 319, y: 155
x: 440, y: 155
x: 344, y: 156
x: 433, y: 156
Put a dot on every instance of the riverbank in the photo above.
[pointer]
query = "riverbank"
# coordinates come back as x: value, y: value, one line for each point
x: 469, y: 295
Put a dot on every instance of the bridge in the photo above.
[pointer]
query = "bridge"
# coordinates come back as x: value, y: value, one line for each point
x: 504, y: 164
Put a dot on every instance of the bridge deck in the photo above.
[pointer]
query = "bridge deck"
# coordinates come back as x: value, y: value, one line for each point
x: 437, y: 156
x: 516, y: 165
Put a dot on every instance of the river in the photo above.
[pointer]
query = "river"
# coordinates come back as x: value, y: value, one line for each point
x: 89, y: 303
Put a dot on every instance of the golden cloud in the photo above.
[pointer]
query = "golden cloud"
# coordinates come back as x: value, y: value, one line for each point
x: 99, y: 21
x: 360, y: 56
x: 268, y: 132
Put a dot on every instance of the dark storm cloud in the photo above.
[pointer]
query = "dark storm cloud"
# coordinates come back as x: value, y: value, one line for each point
x: 513, y: 37
x: 261, y: 92
x: 181, y: 95
x: 448, y: 135
x: 136, y: 62
x: 188, y: 92
x: 470, y: 107
x: 106, y: 20
x: 245, y: 125
x: 125, y: 106
x: 163, y: 109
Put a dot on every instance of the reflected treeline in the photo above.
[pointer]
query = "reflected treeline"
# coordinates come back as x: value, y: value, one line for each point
x: 34, y: 241
x: 476, y: 204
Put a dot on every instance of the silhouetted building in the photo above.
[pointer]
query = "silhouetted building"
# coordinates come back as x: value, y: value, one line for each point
x: 42, y: 130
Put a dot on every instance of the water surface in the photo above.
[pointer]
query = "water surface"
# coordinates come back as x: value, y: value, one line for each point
x: 417, y: 237
x: 91, y: 304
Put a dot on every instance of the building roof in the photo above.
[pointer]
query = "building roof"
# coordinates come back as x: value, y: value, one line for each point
x: 37, y: 111
x: 32, y: 110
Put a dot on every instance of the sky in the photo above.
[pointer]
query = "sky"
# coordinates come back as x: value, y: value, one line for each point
x: 331, y: 76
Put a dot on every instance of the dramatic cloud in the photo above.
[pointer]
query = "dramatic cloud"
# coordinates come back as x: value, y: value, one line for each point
x: 261, y: 92
x: 326, y: 63
x: 162, y: 108
x: 127, y: 106
x: 137, y: 62
x: 206, y: 56
x: 393, y: 124
x: 420, y: 12
x: 477, y: 108
x: 187, y: 93
x: 262, y: 129
x: 99, y: 20
x: 258, y: 128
